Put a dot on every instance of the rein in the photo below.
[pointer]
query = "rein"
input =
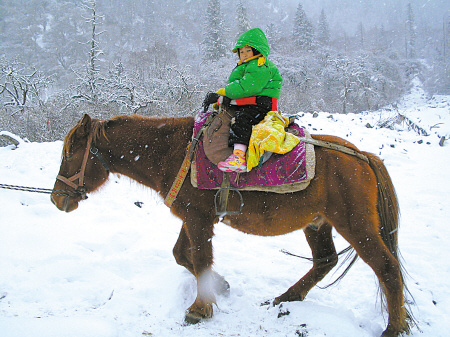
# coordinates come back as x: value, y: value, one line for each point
x: 80, y: 188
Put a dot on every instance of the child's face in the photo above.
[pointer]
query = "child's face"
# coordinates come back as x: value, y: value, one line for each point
x: 245, y: 53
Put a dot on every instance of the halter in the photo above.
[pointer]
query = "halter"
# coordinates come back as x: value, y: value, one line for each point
x: 80, y: 188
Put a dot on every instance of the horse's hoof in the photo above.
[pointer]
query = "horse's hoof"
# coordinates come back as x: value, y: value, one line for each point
x: 288, y: 296
x: 198, y: 311
x: 192, y: 318
x: 389, y: 333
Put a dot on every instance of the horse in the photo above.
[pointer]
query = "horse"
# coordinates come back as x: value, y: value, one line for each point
x: 355, y: 197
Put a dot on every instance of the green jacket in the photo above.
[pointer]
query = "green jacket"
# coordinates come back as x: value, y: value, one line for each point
x: 256, y: 76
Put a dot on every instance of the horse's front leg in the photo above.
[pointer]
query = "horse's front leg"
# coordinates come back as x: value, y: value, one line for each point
x: 182, y: 251
x: 200, y: 235
x: 202, y: 308
x: 183, y: 255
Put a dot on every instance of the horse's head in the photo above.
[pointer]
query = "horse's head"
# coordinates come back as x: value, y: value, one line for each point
x: 83, y: 169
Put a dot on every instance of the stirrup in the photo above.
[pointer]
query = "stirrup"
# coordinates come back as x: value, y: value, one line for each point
x: 223, y: 194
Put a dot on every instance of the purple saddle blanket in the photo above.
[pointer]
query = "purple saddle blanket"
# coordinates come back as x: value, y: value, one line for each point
x: 289, y: 168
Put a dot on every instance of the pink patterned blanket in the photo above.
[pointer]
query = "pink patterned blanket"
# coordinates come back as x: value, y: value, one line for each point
x: 292, y: 168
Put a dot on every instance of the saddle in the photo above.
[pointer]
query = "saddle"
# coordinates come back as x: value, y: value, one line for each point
x: 281, y: 173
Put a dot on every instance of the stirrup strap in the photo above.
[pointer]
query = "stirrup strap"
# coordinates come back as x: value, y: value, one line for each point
x: 223, y: 194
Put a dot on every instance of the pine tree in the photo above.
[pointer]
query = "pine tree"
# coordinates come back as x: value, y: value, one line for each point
x: 303, y: 30
x: 361, y: 34
x: 323, y: 32
x: 446, y: 39
x: 241, y: 17
x: 410, y: 33
x: 273, y: 35
x: 214, y: 46
x: 382, y: 38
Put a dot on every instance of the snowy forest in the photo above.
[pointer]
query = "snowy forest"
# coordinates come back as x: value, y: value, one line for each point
x: 60, y: 59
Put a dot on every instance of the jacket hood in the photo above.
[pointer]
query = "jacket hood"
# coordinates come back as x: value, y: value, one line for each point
x: 254, y: 38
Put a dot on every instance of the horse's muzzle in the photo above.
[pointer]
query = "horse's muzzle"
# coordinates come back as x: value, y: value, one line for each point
x: 64, y: 203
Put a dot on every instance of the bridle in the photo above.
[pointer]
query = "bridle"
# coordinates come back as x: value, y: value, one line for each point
x: 80, y: 187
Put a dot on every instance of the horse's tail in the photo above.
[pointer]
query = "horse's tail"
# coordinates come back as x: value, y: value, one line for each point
x: 387, y: 205
x: 389, y: 215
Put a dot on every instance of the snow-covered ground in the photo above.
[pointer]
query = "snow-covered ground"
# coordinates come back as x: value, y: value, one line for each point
x: 107, y: 268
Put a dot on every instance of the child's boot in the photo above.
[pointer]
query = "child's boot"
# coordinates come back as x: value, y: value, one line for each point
x: 234, y: 163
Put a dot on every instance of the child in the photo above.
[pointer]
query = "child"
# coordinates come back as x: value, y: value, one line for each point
x: 253, y: 88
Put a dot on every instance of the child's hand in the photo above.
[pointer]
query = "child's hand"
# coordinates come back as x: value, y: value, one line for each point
x: 210, y: 98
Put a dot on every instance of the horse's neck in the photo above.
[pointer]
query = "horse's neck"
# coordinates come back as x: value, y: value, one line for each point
x: 150, y: 152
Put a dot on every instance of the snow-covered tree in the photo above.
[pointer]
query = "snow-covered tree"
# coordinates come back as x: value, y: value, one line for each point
x: 87, y: 88
x: 446, y: 34
x: 323, y: 30
x: 361, y: 35
x: 303, y: 30
x: 273, y: 34
x: 94, y: 51
x: 381, y: 38
x: 20, y: 86
x: 411, y: 33
x: 241, y: 18
x: 214, y: 45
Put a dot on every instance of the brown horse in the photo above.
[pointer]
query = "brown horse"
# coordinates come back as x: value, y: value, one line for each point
x: 354, y: 197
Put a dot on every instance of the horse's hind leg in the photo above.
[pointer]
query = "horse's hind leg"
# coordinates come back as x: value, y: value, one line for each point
x: 325, y: 258
x: 370, y: 247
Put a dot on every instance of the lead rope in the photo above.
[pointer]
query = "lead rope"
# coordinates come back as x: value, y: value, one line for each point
x: 39, y: 190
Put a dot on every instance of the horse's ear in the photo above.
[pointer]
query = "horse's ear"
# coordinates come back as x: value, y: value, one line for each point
x: 84, y: 126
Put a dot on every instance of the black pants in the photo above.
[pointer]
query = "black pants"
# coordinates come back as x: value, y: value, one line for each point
x: 245, y: 117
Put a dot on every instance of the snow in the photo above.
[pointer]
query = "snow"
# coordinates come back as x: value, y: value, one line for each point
x: 107, y: 268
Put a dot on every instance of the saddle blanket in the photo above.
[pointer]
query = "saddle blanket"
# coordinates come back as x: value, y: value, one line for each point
x: 285, y: 173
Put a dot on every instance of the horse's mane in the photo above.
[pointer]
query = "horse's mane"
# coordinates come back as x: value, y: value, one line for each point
x: 98, y: 127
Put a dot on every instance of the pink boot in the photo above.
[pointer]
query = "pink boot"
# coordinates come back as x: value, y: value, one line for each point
x: 234, y: 163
